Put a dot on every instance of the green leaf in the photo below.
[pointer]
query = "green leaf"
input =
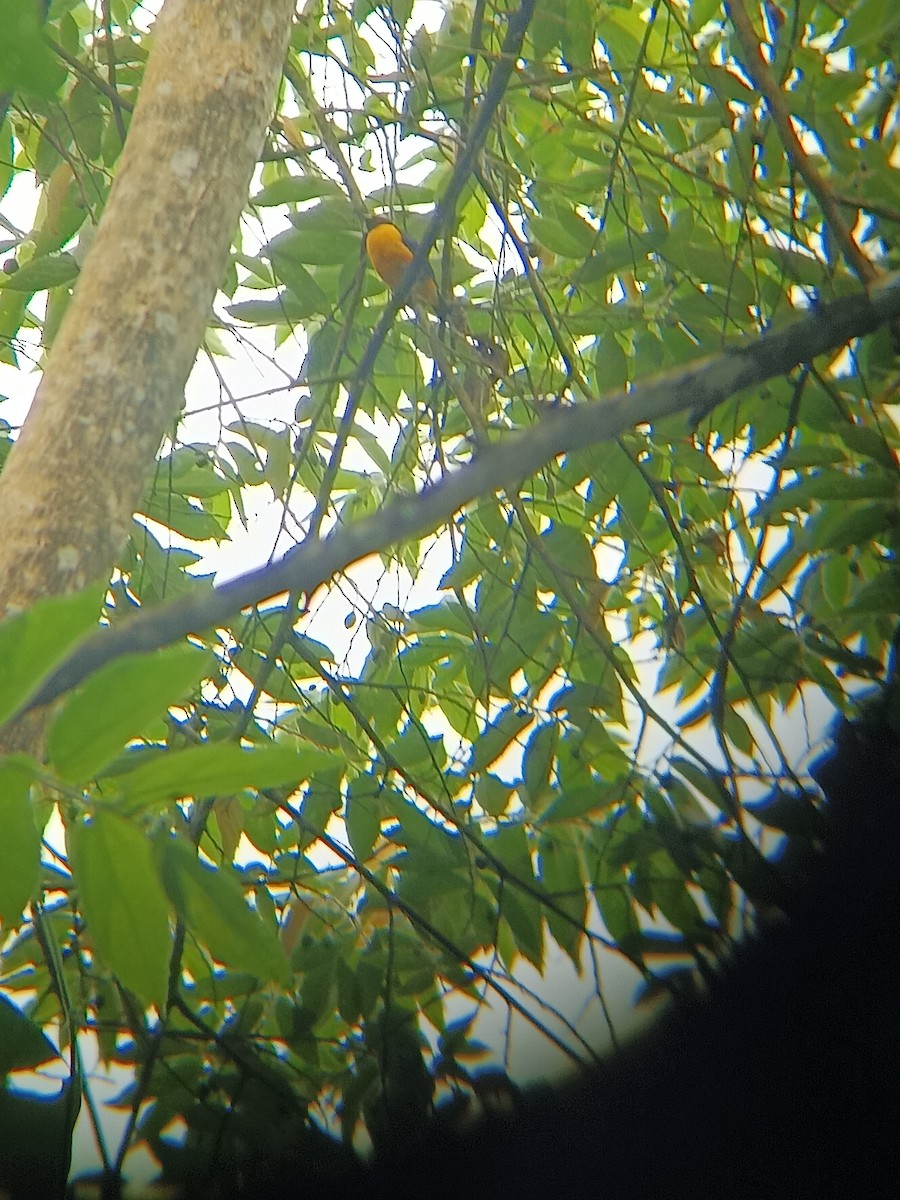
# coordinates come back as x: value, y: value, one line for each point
x: 48, y: 271
x: 295, y: 189
x: 33, y: 643
x: 492, y: 794
x: 313, y: 246
x: 118, y: 703
x: 21, y: 840
x: 27, y: 62
x: 363, y: 815
x: 290, y: 307
x: 432, y: 845
x: 574, y: 802
x: 859, y: 525
x: 525, y: 917
x: 677, y: 905
x: 708, y: 785
x: 871, y: 443
x: 834, y: 485
x: 565, y: 233
x: 610, y: 364
x: 22, y: 1044
x: 881, y: 595
x: 212, y: 905
x: 123, y: 901
x: 617, y: 910
x: 212, y: 770
x: 498, y: 736
x: 86, y: 115
x: 561, y: 875
x: 537, y: 764
x: 191, y: 520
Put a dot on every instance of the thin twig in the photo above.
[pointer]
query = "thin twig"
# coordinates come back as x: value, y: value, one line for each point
x: 756, y: 67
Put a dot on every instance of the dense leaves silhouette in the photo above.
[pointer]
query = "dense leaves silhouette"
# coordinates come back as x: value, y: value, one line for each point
x: 783, y: 1079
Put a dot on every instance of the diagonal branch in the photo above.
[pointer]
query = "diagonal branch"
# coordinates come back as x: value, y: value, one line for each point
x: 762, y: 77
x: 697, y: 388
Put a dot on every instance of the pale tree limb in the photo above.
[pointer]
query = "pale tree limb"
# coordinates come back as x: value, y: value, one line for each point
x: 697, y: 388
x: 114, y: 382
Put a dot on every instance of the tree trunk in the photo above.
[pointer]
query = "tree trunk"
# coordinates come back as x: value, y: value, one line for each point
x: 115, y: 377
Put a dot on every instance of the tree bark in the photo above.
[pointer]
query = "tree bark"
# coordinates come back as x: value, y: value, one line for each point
x: 114, y: 382
x: 115, y: 377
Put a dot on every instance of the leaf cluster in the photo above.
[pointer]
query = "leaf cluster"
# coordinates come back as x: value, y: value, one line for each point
x: 278, y: 861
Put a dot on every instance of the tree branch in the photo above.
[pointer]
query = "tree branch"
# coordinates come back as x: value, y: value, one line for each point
x: 697, y: 388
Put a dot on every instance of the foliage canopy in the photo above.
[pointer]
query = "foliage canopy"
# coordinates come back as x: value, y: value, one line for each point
x: 288, y: 844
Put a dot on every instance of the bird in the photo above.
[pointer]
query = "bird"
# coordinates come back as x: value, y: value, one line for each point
x: 390, y: 252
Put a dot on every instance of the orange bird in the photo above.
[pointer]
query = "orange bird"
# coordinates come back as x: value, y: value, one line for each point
x: 390, y: 252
